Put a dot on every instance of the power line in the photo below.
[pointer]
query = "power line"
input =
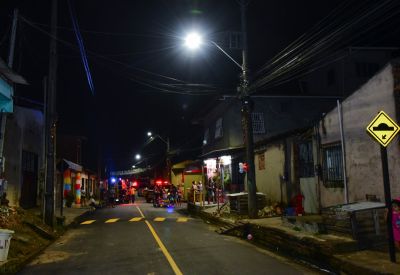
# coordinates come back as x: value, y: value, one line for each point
x: 149, y: 83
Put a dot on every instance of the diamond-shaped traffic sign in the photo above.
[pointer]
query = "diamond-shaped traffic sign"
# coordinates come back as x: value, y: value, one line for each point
x: 383, y: 129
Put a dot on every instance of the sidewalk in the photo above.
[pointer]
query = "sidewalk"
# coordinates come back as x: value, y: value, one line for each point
x: 31, y: 235
x: 335, y: 253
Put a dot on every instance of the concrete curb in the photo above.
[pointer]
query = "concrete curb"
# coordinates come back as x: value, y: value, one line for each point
x: 304, y: 250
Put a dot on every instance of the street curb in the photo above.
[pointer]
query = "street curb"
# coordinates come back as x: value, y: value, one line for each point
x: 304, y: 250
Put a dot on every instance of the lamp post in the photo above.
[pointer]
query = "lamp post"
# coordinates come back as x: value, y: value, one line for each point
x: 166, y: 141
x: 193, y: 41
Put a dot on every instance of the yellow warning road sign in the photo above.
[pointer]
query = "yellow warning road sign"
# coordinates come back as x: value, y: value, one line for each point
x: 383, y: 129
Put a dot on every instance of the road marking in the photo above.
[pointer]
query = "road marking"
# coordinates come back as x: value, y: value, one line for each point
x: 111, y: 220
x: 88, y: 222
x: 182, y: 220
x: 159, y: 219
x: 140, y: 211
x: 171, y: 261
x: 136, y: 219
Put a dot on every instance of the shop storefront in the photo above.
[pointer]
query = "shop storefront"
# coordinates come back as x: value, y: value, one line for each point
x: 224, y: 171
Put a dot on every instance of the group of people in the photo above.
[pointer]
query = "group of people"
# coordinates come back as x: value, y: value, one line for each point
x: 170, y: 193
x: 212, y: 194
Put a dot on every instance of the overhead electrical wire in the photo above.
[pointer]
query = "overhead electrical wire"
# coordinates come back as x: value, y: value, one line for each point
x: 297, y: 61
x: 146, y: 82
x: 81, y: 46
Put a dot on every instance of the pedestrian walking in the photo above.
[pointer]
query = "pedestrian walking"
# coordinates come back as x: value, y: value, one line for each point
x: 210, y: 191
x: 180, y: 194
x: 132, y: 193
x: 396, y: 222
x: 200, y: 192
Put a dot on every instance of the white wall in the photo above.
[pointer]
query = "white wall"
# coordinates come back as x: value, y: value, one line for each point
x: 269, y: 180
x: 363, y: 160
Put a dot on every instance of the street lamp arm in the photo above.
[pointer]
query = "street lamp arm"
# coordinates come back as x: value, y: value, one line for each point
x: 230, y: 57
x: 163, y: 140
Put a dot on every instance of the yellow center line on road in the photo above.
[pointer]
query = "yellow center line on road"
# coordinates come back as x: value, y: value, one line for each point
x: 111, y: 220
x: 170, y: 260
x: 159, y: 219
x: 136, y: 219
x: 88, y: 222
x: 182, y: 220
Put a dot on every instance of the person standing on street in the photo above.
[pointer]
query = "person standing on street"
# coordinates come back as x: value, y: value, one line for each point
x: 132, y: 194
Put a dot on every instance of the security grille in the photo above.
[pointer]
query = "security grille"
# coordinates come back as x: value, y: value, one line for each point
x: 333, y: 166
x: 258, y: 123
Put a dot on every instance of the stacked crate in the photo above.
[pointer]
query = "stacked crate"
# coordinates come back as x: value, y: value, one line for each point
x: 364, y: 222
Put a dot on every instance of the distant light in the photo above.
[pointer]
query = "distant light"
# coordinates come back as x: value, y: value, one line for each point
x: 193, y: 40
x: 149, y: 134
x: 137, y: 156
x: 133, y: 166
x: 226, y: 160
x: 113, y: 180
x: 158, y: 182
x: 135, y: 183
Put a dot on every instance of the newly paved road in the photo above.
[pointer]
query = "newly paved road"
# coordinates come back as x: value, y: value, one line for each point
x: 140, y: 239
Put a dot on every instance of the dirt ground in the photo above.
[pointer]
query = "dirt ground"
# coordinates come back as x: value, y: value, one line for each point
x: 30, y: 236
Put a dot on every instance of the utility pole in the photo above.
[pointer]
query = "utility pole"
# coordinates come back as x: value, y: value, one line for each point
x: 50, y: 122
x: 10, y: 65
x: 247, y: 124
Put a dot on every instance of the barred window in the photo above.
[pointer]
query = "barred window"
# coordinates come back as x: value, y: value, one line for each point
x: 333, y: 166
x: 258, y: 123
x: 306, y: 160
x: 218, y: 128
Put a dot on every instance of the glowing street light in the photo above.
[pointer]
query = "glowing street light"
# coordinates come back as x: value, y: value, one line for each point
x: 193, y: 40
x: 149, y: 134
x: 138, y: 156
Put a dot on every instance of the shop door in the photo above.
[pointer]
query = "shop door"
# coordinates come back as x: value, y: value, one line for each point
x: 29, y: 179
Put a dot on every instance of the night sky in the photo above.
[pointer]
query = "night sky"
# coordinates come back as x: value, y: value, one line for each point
x: 135, y: 46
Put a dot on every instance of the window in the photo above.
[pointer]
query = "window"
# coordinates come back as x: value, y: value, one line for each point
x: 218, y: 128
x: 258, y: 123
x: 206, y: 136
x: 333, y: 166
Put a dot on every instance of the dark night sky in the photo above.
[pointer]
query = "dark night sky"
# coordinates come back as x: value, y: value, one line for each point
x: 122, y: 36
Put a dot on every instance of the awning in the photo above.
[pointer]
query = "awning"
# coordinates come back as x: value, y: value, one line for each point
x: 73, y: 165
x: 222, y: 152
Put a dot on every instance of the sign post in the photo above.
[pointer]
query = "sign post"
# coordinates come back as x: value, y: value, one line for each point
x: 383, y: 129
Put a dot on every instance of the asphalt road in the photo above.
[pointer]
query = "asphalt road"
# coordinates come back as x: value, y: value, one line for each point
x: 140, y: 239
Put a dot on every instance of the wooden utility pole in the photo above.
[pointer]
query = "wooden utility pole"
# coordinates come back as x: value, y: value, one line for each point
x: 247, y: 124
x: 50, y: 123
